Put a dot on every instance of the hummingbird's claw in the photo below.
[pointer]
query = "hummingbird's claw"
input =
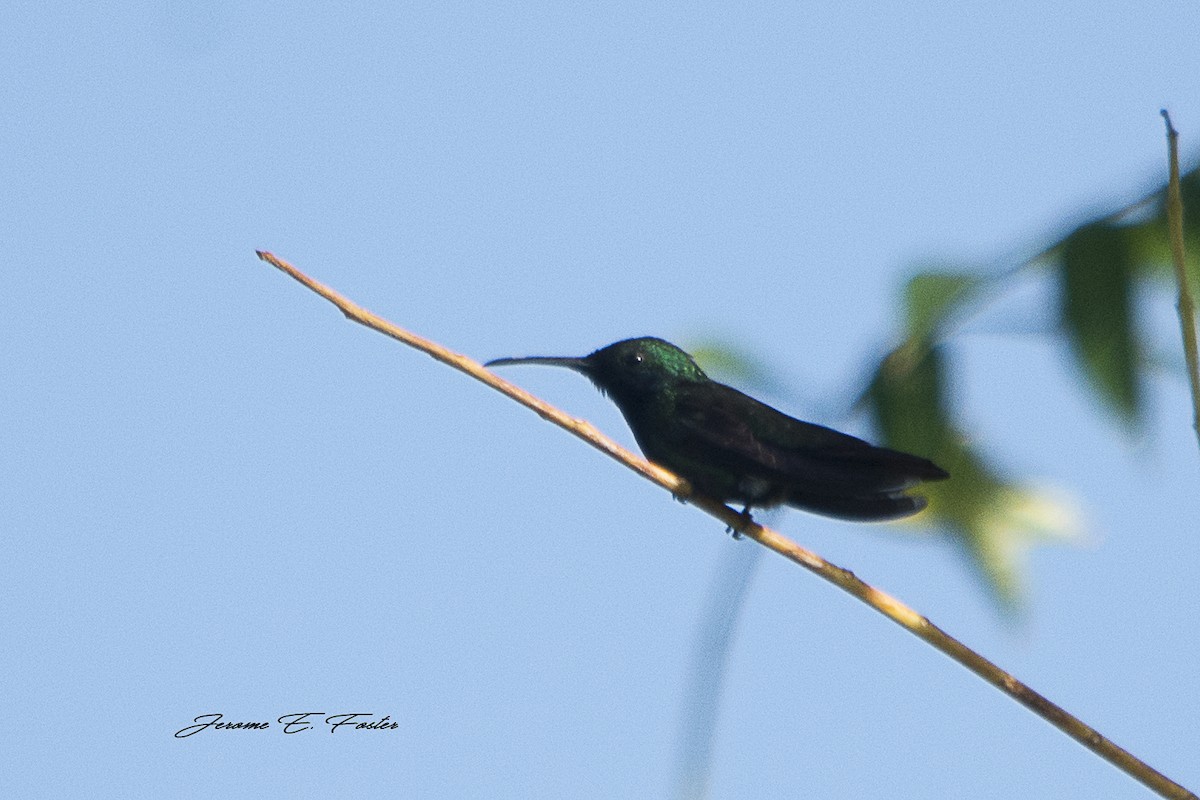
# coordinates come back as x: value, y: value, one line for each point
x: 736, y: 532
x: 685, y: 495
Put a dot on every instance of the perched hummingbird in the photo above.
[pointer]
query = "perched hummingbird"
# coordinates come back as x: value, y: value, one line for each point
x: 734, y: 448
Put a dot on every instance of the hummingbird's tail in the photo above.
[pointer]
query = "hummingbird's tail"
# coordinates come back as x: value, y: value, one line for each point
x: 858, y: 508
x: 865, y: 484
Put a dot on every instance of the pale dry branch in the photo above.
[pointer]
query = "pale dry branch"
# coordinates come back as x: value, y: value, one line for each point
x: 1187, y: 309
x: 882, y: 602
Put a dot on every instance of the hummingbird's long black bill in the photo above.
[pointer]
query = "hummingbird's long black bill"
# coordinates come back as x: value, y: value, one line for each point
x: 577, y: 364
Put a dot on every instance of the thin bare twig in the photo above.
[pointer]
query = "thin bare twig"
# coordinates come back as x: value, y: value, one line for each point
x: 882, y: 602
x: 1187, y: 310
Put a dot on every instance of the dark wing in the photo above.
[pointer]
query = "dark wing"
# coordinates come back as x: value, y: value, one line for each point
x: 823, y: 470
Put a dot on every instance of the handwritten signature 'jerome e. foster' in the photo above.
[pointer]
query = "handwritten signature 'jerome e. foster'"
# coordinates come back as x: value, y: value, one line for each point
x: 292, y: 723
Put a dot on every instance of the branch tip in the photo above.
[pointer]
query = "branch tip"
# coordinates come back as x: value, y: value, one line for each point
x: 1166, y: 115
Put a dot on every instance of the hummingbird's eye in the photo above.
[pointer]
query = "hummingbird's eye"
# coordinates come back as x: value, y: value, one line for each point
x: 633, y: 359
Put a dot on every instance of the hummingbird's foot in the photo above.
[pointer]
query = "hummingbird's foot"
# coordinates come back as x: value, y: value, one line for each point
x: 736, y: 532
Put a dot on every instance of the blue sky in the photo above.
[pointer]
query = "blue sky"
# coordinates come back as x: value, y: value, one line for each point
x: 216, y: 496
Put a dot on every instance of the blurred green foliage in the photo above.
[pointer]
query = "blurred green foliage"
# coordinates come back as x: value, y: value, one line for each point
x: 1097, y: 267
x: 1096, y: 274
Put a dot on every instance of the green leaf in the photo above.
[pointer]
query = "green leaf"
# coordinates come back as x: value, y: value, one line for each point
x: 906, y: 397
x: 997, y: 522
x: 930, y: 297
x: 1096, y: 277
x: 993, y: 520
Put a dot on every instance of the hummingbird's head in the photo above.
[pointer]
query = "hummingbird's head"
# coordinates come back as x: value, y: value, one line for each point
x: 638, y: 367
x: 628, y: 369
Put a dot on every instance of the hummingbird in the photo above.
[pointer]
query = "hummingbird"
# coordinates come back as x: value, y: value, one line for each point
x: 734, y: 448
